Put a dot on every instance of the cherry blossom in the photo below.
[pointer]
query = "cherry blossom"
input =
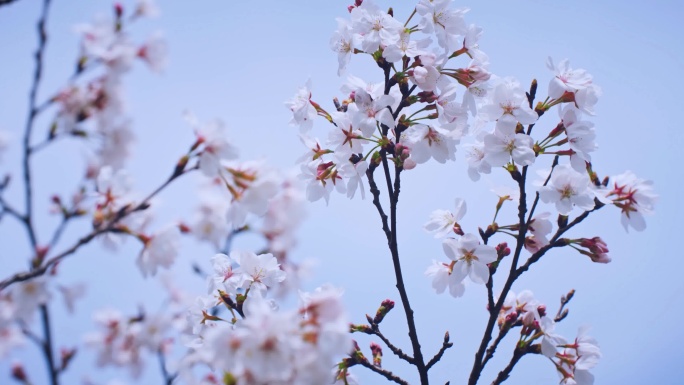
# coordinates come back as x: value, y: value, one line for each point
x: 374, y: 26
x: 404, y: 47
x: 154, y: 52
x: 508, y: 101
x: 211, y: 221
x: 581, y: 137
x: 442, y: 277
x: 251, y: 185
x: 442, y: 222
x: 343, y: 42
x: 366, y: 112
x: 635, y: 197
x: 302, y: 110
x: 447, y: 24
x: 259, y: 271
x: 161, y: 250
x: 568, y: 188
x: 477, y: 164
x: 430, y: 142
x: 505, y: 144
x: 470, y: 256
x: 215, y: 145
x: 566, y: 79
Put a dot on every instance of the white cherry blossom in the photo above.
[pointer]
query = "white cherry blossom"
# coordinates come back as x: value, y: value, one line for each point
x: 505, y: 144
x: 568, y: 188
x: 442, y: 222
x: 160, y: 250
x: 470, y: 256
x: 508, y: 101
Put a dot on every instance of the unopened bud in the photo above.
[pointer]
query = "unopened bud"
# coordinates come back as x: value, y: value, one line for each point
x: 409, y: 164
x: 360, y: 329
x: 541, y: 309
x: 180, y: 166
x: 511, y: 318
x: 41, y: 252
x: 118, y: 10
x: 384, y: 308
x: 502, y: 250
x: 184, y: 229
x: 562, y: 221
x: 457, y: 229
x: 18, y: 372
x: 66, y: 355
x: 376, y: 350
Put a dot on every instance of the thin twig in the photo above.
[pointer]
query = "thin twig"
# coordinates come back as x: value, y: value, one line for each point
x: 33, y: 112
x: 518, y: 353
x: 168, y: 377
x: 397, y: 351
x: 111, y: 227
x: 383, y: 372
x: 445, y: 345
x: 47, y: 345
x: 492, y: 348
x: 6, y: 2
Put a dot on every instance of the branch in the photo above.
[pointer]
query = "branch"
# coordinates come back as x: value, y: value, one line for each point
x: 445, y: 345
x: 47, y: 345
x: 553, y: 242
x: 168, y: 377
x: 383, y: 372
x: 6, y: 2
x: 492, y: 348
x: 376, y: 201
x: 518, y: 353
x: 397, y: 351
x: 111, y: 227
x: 33, y: 112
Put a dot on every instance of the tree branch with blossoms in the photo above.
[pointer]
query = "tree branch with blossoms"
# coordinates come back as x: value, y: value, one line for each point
x: 434, y: 95
x: 371, y: 114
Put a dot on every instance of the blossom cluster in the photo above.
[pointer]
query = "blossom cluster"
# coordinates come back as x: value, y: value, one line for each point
x: 95, y: 108
x: 572, y: 359
x: 415, y: 114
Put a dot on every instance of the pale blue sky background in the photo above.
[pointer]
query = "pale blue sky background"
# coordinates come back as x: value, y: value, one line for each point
x: 241, y: 60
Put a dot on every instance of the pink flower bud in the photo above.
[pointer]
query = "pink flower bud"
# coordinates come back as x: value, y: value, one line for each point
x: 541, y: 309
x: 409, y: 164
x: 18, y: 372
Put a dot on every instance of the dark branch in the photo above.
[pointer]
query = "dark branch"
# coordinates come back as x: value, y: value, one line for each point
x: 518, y: 353
x: 445, y: 345
x: 397, y: 351
x: 383, y: 372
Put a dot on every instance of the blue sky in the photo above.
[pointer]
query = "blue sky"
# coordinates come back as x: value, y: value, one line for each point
x: 240, y: 61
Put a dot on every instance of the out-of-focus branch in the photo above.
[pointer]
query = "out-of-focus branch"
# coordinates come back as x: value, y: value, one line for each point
x: 111, y: 227
x: 33, y: 112
x: 6, y: 2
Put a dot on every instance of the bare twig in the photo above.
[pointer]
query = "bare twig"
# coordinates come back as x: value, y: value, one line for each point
x: 518, y: 353
x: 383, y: 372
x: 397, y: 351
x: 168, y: 377
x: 445, y: 345
x: 492, y: 348
x: 6, y: 2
